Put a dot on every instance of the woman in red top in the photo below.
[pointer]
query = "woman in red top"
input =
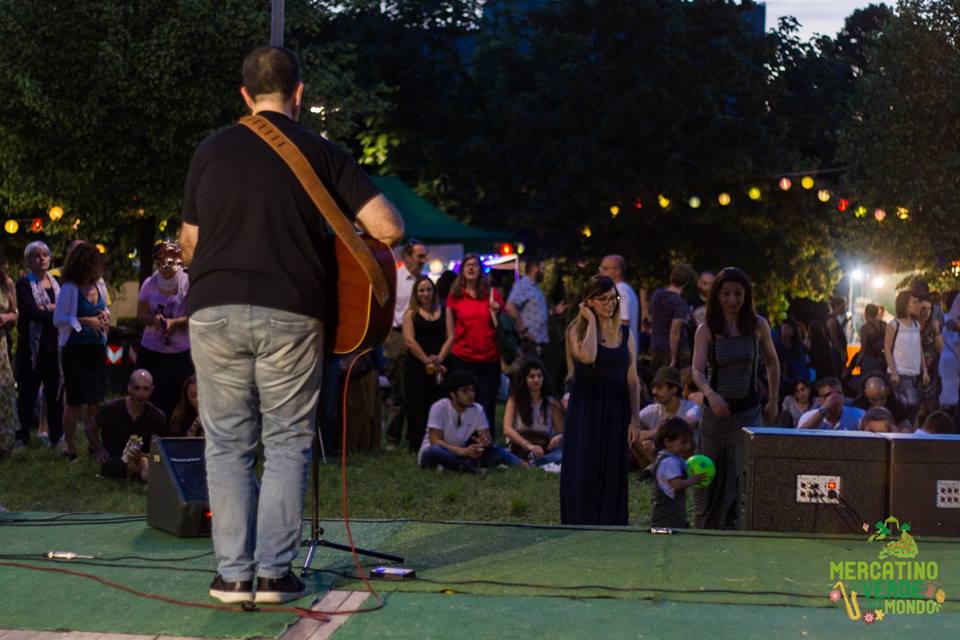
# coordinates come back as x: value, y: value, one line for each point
x: 472, y: 302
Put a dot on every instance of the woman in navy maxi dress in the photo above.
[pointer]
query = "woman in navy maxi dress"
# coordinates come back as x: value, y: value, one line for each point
x: 603, y: 402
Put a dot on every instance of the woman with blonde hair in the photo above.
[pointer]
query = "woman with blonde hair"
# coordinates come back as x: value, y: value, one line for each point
x: 604, y: 401
x: 428, y: 334
x: 37, y: 360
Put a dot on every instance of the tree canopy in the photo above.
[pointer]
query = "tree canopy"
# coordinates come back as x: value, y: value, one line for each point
x: 902, y: 143
x: 547, y: 118
x: 104, y: 102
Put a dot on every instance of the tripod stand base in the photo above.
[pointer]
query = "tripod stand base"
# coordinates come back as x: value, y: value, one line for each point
x: 313, y: 543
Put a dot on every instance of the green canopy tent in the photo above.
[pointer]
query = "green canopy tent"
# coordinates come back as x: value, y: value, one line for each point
x: 425, y: 222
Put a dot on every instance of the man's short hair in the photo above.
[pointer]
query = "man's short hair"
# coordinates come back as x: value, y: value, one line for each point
x: 531, y: 264
x: 877, y: 414
x: 938, y: 422
x: 621, y: 263
x: 879, y: 375
x: 459, y: 379
x: 411, y: 244
x: 871, y: 311
x: 680, y: 275
x: 826, y: 382
x: 271, y: 70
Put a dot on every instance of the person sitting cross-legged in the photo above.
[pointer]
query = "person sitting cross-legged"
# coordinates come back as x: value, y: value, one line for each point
x: 458, y: 435
x: 111, y: 436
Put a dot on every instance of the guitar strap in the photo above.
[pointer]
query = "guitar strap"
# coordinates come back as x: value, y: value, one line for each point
x: 325, y: 204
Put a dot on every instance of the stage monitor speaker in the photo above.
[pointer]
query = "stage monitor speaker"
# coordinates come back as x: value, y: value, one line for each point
x: 177, y: 499
x: 925, y: 482
x: 811, y: 481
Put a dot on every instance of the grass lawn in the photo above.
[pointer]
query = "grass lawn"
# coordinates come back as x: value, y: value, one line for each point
x: 384, y: 485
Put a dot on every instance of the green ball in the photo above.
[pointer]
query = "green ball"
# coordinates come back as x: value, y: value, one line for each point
x: 698, y: 464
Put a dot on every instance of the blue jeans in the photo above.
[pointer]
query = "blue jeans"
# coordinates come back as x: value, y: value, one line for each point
x: 436, y: 455
x: 258, y: 376
x: 550, y: 457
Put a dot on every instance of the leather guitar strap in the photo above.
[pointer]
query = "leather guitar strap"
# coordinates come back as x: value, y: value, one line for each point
x: 327, y: 206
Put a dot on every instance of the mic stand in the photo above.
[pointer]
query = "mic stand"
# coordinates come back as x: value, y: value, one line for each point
x: 316, y: 531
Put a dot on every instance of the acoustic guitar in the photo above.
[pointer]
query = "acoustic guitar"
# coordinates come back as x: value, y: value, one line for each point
x: 358, y: 319
x: 360, y: 315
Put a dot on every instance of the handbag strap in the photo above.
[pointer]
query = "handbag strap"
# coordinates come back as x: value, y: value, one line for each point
x: 325, y: 204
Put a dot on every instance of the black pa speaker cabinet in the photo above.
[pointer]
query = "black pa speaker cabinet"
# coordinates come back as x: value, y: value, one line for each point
x: 811, y: 481
x: 177, y: 499
x: 925, y: 482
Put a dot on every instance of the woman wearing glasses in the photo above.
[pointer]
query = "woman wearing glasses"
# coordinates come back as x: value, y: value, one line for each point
x: 726, y: 352
x: 604, y: 401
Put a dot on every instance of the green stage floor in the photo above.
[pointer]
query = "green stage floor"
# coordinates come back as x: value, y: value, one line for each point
x: 474, y: 581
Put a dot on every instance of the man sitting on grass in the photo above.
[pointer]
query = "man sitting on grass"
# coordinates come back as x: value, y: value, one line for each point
x: 668, y: 403
x: 458, y: 435
x: 120, y: 454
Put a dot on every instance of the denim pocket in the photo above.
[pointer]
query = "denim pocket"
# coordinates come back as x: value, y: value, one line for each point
x: 300, y: 327
x: 201, y: 326
x: 295, y: 341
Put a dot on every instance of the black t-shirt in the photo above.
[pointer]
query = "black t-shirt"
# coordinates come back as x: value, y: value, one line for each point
x: 261, y: 240
x: 892, y: 405
x: 116, y: 425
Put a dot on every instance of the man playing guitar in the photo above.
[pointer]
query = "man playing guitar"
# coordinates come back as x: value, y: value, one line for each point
x: 259, y: 285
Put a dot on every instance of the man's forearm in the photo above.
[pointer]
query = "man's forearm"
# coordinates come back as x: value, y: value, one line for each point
x: 674, y: 346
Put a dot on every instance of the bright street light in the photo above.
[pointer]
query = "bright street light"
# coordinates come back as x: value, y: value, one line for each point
x: 857, y: 274
x: 879, y: 282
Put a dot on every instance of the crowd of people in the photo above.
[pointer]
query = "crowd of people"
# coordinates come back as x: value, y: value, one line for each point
x: 630, y: 381
x: 59, y: 382
x: 649, y: 379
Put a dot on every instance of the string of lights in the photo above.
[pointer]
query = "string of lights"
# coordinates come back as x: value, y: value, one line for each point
x: 755, y: 193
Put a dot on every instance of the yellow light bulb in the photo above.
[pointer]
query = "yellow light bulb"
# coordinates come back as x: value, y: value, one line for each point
x: 162, y: 225
x: 102, y: 248
x: 806, y: 182
x: 11, y: 226
x: 663, y: 201
x: 520, y: 248
x: 903, y: 213
x: 724, y: 199
x: 587, y: 232
x: 860, y: 211
x: 823, y: 195
x: 694, y: 202
x: 55, y: 213
x: 614, y: 210
x: 754, y: 193
x: 785, y: 184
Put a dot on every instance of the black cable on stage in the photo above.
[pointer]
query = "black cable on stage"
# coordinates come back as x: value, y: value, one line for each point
x: 59, y: 521
x: 244, y: 608
x: 499, y: 583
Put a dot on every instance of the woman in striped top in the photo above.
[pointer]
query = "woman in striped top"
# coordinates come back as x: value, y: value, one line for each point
x: 726, y: 353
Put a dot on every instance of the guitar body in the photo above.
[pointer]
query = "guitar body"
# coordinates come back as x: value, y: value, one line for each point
x: 357, y: 320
